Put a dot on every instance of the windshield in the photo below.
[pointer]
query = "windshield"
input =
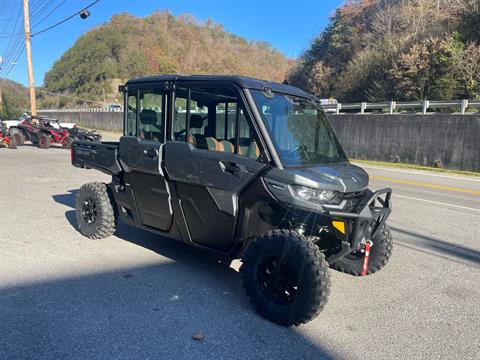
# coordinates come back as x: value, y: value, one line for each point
x: 299, y: 129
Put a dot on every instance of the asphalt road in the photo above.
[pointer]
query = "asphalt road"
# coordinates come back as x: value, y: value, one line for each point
x: 137, y: 296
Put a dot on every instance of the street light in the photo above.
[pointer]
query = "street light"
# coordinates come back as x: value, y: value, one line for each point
x: 84, y: 14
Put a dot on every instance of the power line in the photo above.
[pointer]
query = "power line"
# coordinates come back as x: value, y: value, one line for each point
x: 36, y: 14
x: 50, y: 13
x: 11, y: 18
x: 10, y: 49
x: 64, y: 20
x: 13, y: 63
x: 41, y: 9
x: 16, y: 46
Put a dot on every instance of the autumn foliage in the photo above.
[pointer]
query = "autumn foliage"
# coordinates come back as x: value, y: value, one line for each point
x: 129, y: 46
x: 395, y: 49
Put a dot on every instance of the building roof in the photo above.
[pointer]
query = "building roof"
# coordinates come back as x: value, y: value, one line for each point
x: 241, y: 81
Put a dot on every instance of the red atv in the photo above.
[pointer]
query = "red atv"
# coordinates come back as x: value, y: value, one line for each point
x: 41, y: 133
x: 6, y: 140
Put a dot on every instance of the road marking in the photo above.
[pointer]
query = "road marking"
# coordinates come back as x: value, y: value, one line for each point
x: 420, y: 172
x: 436, y: 202
x: 427, y: 185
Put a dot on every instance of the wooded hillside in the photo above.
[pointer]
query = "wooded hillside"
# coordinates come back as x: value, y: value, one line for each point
x: 395, y: 49
x: 14, y: 99
x: 128, y: 46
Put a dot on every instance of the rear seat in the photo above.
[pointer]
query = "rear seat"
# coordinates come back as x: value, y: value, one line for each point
x: 149, y: 129
x: 247, y: 147
x: 210, y: 143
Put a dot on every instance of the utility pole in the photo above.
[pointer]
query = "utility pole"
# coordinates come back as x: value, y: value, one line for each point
x: 31, y: 81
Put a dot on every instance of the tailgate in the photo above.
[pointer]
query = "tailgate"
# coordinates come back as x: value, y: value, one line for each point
x: 93, y: 155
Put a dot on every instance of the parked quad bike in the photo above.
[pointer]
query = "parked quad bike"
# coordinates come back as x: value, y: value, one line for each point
x: 41, y: 133
x: 79, y: 134
x: 6, y: 140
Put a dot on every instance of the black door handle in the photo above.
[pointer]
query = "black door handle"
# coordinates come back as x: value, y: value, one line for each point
x: 150, y: 152
x: 229, y: 167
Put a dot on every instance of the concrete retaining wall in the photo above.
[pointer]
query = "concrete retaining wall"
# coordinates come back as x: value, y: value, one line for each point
x: 111, y: 121
x: 454, y: 140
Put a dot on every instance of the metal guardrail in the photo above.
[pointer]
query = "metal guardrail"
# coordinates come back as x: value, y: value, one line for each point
x: 392, y: 107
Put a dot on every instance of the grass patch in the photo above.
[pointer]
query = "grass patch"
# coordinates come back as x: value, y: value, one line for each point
x: 415, y: 167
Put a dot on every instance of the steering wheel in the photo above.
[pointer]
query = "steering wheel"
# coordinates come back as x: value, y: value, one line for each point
x: 303, y: 149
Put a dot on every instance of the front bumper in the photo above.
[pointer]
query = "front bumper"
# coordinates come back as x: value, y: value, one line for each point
x: 362, y: 224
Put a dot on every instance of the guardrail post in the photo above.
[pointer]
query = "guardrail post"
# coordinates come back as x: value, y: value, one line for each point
x: 464, y: 106
x: 426, y: 104
x: 363, y: 106
x: 391, y: 107
x: 339, y: 107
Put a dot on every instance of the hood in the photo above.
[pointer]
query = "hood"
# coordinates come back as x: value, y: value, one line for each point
x: 344, y: 177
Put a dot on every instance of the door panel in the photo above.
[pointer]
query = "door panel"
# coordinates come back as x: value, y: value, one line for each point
x: 142, y: 159
x: 206, y: 224
x: 208, y: 184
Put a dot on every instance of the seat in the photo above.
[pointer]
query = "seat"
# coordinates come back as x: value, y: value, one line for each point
x: 199, y: 140
x: 247, y: 147
x: 253, y: 151
x: 149, y: 126
x: 228, y: 146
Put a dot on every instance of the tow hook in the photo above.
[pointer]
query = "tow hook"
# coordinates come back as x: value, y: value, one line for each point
x: 366, y: 249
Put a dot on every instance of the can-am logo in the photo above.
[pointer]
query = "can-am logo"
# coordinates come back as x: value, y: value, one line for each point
x: 355, y: 179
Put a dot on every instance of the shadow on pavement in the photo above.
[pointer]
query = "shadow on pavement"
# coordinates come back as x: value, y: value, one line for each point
x: 66, y: 199
x: 421, y: 242
x: 138, y: 313
x: 145, y: 312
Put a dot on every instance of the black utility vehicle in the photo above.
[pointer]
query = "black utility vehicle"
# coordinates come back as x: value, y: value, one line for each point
x: 249, y: 169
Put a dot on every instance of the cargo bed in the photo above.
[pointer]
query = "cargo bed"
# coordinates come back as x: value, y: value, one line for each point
x: 100, y: 156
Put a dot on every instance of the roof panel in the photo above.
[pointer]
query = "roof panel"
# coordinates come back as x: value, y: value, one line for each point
x: 243, y: 82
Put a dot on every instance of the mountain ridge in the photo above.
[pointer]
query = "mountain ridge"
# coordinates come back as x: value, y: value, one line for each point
x: 160, y: 43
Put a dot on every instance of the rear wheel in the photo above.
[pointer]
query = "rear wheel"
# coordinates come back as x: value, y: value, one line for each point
x: 67, y: 143
x: 380, y: 253
x: 18, y: 136
x: 95, y: 211
x: 43, y: 141
x: 286, y: 277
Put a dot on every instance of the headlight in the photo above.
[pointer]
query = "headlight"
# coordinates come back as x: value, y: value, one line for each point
x: 313, y: 195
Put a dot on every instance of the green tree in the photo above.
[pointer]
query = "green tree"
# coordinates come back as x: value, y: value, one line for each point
x: 160, y: 43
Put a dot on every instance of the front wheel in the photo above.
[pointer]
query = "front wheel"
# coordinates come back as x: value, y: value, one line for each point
x: 95, y: 211
x: 380, y: 253
x: 286, y: 277
x: 13, y: 143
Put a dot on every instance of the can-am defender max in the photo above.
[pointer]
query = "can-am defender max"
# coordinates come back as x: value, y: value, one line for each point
x: 246, y: 168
